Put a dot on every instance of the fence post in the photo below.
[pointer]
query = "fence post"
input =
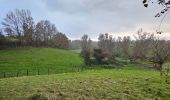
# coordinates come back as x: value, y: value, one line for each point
x: 71, y: 67
x: 38, y: 72
x: 27, y: 72
x: 48, y: 71
x: 81, y: 68
x: 4, y: 74
x: 17, y: 74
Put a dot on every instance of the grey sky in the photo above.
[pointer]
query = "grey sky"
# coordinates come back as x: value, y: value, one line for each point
x: 78, y: 17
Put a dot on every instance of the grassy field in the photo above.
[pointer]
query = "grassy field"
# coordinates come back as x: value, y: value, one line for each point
x: 34, y: 59
x: 77, y: 51
x: 88, y: 85
x: 125, y: 82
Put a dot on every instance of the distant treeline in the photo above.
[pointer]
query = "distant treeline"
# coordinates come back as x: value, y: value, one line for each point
x: 145, y: 47
x: 21, y: 30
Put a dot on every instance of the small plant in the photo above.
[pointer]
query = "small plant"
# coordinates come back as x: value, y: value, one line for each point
x: 38, y: 97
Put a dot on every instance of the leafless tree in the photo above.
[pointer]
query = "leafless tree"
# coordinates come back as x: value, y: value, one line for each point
x: 164, y: 3
x: 106, y: 42
x: 44, y: 32
x: 19, y: 23
x: 118, y: 47
x: 127, y: 48
x: 85, y: 42
x: 86, y: 49
x: 142, y: 44
x: 160, y: 53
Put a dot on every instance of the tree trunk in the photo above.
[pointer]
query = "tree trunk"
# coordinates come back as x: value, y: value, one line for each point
x: 160, y: 69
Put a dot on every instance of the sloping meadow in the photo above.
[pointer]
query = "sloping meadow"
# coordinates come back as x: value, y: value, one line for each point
x: 33, y: 61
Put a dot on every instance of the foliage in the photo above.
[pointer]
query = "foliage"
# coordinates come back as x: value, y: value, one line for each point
x: 75, y: 44
x: 44, y: 32
x: 102, y: 56
x: 20, y: 26
x: 86, y: 49
x: 60, y: 40
x: 160, y: 53
x: 2, y: 38
x: 106, y: 42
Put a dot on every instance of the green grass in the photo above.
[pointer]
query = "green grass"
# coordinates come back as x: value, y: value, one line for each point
x: 34, y: 59
x: 77, y: 50
x: 127, y: 82
x: 120, y: 84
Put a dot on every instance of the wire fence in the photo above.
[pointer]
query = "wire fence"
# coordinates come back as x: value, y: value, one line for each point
x: 48, y: 71
x: 43, y: 71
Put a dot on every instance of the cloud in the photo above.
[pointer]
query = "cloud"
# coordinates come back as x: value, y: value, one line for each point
x: 78, y: 17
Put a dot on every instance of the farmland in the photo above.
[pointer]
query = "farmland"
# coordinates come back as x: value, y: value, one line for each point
x: 33, y: 59
x: 94, y: 85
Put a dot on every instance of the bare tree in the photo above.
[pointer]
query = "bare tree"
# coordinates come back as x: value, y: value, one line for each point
x: 118, y: 47
x: 28, y: 26
x: 106, y: 42
x: 38, y: 37
x: 127, y: 48
x: 142, y: 44
x: 164, y: 3
x: 19, y: 23
x: 44, y: 33
x: 2, y: 39
x: 86, y: 46
x: 160, y: 53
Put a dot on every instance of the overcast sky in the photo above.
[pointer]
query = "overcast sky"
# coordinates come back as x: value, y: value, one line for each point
x: 78, y: 17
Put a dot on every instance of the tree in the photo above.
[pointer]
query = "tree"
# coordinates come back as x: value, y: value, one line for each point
x: 86, y: 46
x: 106, y: 42
x: 164, y: 3
x: 2, y: 38
x: 127, y: 48
x: 19, y: 23
x: 28, y: 29
x: 44, y: 33
x: 102, y: 56
x: 1, y: 35
x: 75, y: 44
x: 117, y: 48
x: 160, y: 53
x: 142, y: 44
x: 166, y: 6
x: 60, y: 40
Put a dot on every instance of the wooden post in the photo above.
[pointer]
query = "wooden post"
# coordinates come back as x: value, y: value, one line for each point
x: 17, y: 74
x: 4, y: 74
x: 48, y: 71
x: 38, y: 72
x: 81, y: 68
x: 27, y: 72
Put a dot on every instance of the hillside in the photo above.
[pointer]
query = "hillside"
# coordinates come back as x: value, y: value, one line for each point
x: 33, y: 59
x: 88, y: 85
